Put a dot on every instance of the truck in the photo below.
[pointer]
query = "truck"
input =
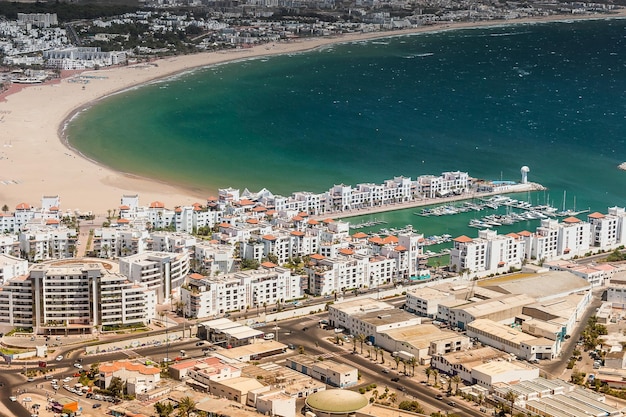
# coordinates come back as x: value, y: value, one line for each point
x: 405, y: 356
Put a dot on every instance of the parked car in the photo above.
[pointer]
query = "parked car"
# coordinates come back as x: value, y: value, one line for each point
x: 395, y: 379
x: 13, y: 398
x: 439, y: 397
x: 96, y: 405
x: 78, y: 366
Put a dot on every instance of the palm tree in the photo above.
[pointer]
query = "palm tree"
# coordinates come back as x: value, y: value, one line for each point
x: 404, y: 363
x: 511, y: 397
x: 361, y: 339
x: 186, y: 406
x: 397, y: 360
x: 436, y: 375
x: 163, y: 409
x: 375, y: 354
x: 413, y: 363
x: 428, y: 373
x: 457, y: 380
x: 382, y: 357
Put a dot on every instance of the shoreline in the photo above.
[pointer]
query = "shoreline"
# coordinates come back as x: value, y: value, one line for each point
x: 36, y: 159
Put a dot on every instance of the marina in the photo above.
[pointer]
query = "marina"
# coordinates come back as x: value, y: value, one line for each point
x: 525, y: 211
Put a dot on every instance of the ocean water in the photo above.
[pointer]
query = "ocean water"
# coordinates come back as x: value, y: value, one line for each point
x: 551, y: 96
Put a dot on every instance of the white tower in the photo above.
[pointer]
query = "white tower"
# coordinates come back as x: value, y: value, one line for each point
x: 525, y: 170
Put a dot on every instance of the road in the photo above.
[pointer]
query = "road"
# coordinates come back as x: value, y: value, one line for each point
x: 556, y: 367
x: 314, y: 341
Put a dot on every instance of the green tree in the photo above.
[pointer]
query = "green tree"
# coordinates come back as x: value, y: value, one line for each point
x: 457, y: 380
x: 428, y: 373
x: 411, y: 406
x: 511, y: 397
x: 361, y: 339
x: 186, y: 406
x: 397, y: 360
x: 163, y: 409
x: 116, y: 387
x: 413, y: 363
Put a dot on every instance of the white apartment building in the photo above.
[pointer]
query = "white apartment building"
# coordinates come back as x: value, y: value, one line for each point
x: 65, y: 297
x: 268, y: 286
x: 488, y: 254
x: 48, y: 242
x: 491, y: 253
x: 327, y: 276
x: 158, y: 271
x: 123, y: 302
x: 82, y: 58
x: 213, y: 258
x: 554, y: 240
x: 59, y: 298
x: 431, y: 186
x: 343, y: 197
x: 10, y: 245
x: 608, y: 231
x: 43, y: 20
x: 11, y: 267
x: 16, y: 303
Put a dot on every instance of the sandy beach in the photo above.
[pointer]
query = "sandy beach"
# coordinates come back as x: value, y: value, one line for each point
x: 34, y: 161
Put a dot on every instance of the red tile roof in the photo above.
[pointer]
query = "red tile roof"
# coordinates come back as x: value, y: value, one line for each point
x: 52, y: 221
x: 195, y: 275
x: 23, y: 206
x: 463, y: 239
x: 269, y: 237
x: 400, y: 248
x: 596, y: 215
x: 313, y: 222
x: 129, y: 366
x: 571, y: 220
x: 359, y: 235
x: 157, y: 204
x: 124, y: 208
x: 346, y: 251
x: 297, y: 233
x: 317, y: 256
x: 268, y: 265
x: 252, y: 221
x: 297, y: 219
x: 524, y: 233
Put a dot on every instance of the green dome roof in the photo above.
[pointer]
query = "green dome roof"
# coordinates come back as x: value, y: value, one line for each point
x: 336, y: 401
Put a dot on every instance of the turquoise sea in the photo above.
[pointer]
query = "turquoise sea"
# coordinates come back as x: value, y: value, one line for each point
x: 551, y: 96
